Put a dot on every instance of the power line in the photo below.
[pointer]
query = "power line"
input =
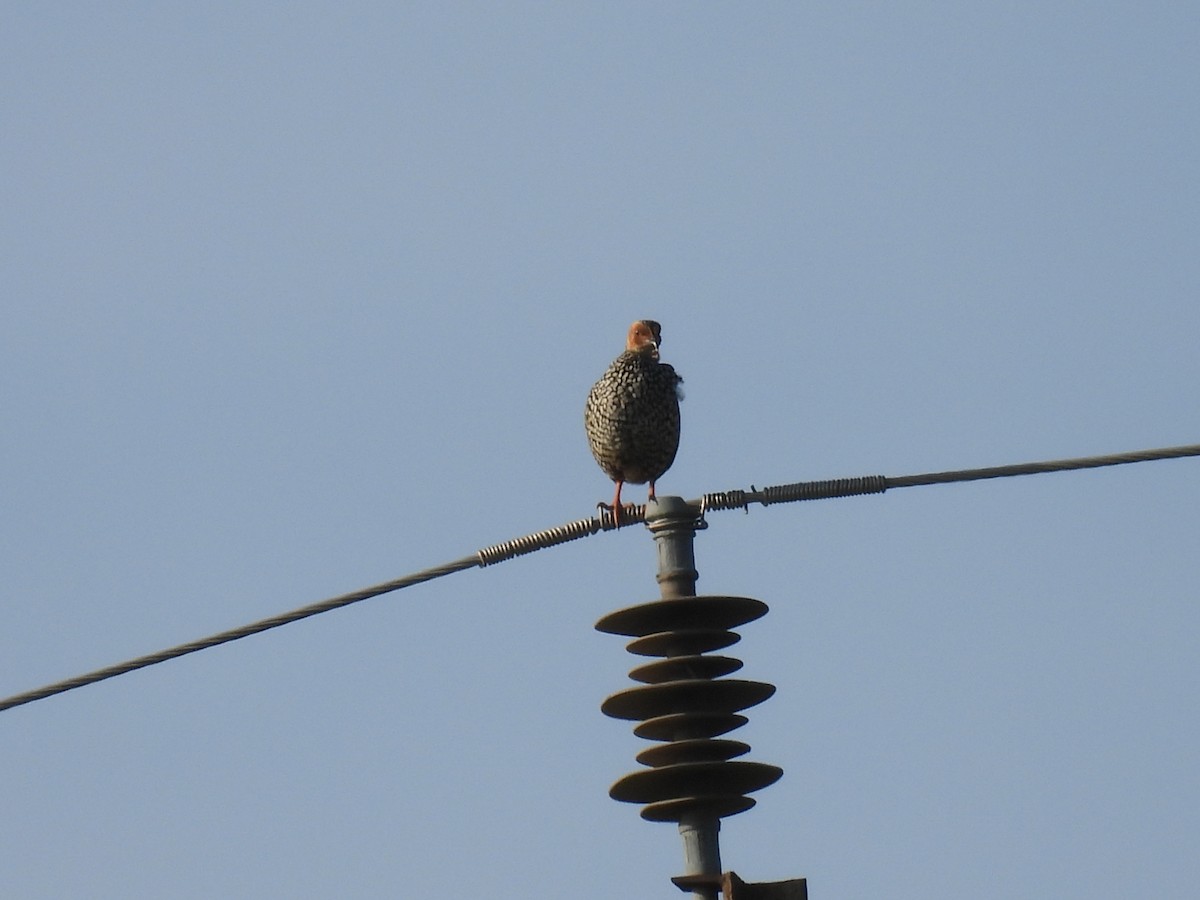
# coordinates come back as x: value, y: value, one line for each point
x: 735, y: 499
x: 234, y: 634
x: 877, y: 484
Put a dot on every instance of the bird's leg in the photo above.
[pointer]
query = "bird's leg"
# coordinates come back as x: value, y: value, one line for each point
x: 617, y: 506
x: 653, y: 496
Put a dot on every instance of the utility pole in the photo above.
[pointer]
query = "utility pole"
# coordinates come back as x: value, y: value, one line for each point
x: 684, y: 701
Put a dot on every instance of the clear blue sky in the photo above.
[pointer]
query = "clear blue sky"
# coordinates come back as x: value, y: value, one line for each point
x: 299, y: 298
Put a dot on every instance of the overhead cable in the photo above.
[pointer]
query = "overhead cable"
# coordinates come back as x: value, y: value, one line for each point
x: 736, y: 499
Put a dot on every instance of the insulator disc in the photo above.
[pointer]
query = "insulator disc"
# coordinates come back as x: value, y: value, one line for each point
x: 703, y: 779
x: 674, y: 810
x: 699, y: 695
x: 679, y: 668
x: 681, y: 613
x: 685, y: 642
x: 695, y: 750
x: 682, y: 726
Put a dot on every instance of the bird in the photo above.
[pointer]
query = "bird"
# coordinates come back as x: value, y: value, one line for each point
x: 632, y: 414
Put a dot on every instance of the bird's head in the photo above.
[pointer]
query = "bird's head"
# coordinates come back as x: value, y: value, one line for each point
x: 645, y: 335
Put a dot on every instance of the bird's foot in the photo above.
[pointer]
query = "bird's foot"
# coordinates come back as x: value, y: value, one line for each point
x: 614, y: 513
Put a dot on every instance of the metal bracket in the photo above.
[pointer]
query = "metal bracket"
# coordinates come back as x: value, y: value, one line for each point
x: 733, y: 888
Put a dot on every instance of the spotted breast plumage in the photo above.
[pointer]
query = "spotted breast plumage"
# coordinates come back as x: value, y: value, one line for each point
x: 632, y: 413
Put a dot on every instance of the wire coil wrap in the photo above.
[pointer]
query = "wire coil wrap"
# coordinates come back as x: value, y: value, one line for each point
x: 801, y: 490
x: 539, y: 540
